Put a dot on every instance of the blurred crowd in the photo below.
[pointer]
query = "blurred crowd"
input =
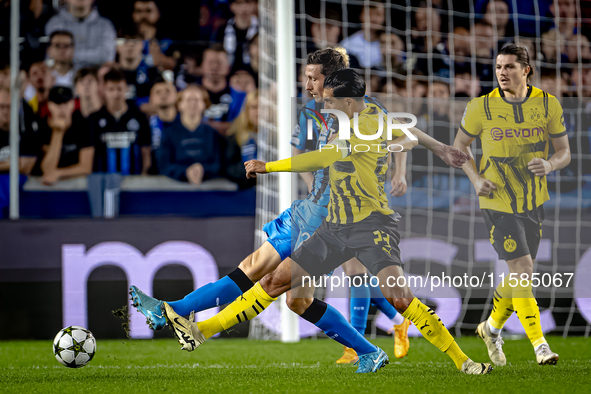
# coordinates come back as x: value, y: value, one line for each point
x: 170, y: 88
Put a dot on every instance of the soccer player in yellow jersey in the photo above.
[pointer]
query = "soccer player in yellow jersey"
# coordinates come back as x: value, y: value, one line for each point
x: 514, y: 122
x: 359, y: 224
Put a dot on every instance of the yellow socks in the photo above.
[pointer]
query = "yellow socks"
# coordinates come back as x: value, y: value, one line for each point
x: 502, y: 305
x: 430, y: 325
x: 528, y: 313
x: 244, y: 308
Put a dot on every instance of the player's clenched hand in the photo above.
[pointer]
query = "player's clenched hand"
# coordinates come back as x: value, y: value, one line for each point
x: 398, y: 185
x: 254, y: 167
x: 540, y: 167
x: 453, y: 156
x: 484, y: 187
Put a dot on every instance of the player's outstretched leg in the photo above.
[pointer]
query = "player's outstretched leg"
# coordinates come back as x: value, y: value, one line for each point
x: 400, y: 329
x: 254, y: 301
x: 427, y: 321
x: 225, y: 290
x: 490, y: 329
x: 335, y: 326
x: 358, y: 305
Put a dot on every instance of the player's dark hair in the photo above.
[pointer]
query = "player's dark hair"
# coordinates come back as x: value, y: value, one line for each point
x: 345, y: 83
x: 520, y: 53
x: 331, y: 59
x: 84, y: 72
x: 61, y: 33
x: 114, y: 75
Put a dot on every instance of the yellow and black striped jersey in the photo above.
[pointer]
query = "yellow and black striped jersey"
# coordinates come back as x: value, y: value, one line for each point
x: 512, y: 134
x: 357, y: 181
x: 357, y: 169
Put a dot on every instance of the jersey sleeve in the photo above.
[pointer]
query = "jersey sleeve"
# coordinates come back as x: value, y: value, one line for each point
x: 471, y: 123
x: 298, y: 138
x: 556, y: 127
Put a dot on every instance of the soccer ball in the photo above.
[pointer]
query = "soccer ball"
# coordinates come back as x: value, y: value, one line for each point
x: 74, y: 346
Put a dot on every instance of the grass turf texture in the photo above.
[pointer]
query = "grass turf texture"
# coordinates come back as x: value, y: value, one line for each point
x: 236, y: 365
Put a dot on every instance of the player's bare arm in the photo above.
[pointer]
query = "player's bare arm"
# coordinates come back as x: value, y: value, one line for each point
x: 559, y: 160
x: 451, y: 155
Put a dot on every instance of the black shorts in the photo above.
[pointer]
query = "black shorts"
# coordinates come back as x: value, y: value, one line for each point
x: 515, y: 235
x: 374, y: 241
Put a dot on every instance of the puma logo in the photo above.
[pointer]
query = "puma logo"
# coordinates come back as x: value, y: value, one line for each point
x: 531, y: 317
x: 504, y: 117
x: 426, y: 325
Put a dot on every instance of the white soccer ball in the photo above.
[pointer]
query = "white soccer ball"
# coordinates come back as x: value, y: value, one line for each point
x: 74, y: 346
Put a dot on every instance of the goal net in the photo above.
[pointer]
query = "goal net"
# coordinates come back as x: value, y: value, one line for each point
x: 430, y: 58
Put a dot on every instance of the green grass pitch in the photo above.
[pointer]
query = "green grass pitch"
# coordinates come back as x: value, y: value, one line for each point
x: 239, y: 366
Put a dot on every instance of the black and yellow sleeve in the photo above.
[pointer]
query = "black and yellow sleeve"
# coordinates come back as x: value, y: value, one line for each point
x: 556, y: 126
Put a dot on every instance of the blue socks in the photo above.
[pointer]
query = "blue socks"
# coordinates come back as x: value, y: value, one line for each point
x: 360, y: 297
x: 377, y: 298
x: 329, y: 320
x: 218, y: 293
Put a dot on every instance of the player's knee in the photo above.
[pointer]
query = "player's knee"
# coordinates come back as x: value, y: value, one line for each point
x: 401, y: 304
x: 299, y: 305
x: 273, y: 284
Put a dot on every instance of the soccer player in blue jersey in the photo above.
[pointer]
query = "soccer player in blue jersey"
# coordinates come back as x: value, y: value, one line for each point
x: 359, y: 224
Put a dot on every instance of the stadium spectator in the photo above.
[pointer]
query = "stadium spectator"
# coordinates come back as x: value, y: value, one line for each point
x: 324, y: 32
x: 497, y: 15
x: 427, y: 32
x: 483, y: 31
x: 28, y: 146
x: 226, y: 102
x: 34, y: 16
x: 253, y: 48
x: 40, y: 81
x: 238, y: 31
x: 28, y: 151
x: 66, y: 138
x: 86, y: 88
x: 60, y: 52
x: 157, y: 51
x: 4, y: 73
x: 576, y: 43
x: 244, y: 129
x: 121, y: 137
x: 365, y: 44
x: 392, y: 49
x: 242, y: 80
x: 565, y: 15
x: 121, y: 132
x: 189, y: 71
x: 553, y: 47
x: 94, y: 35
x: 139, y: 75
x: 163, y: 98
x: 466, y: 83
x: 190, y: 150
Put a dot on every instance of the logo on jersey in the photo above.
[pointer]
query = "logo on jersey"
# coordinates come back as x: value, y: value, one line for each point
x: 535, y: 115
x: 498, y: 133
x: 510, y: 245
x: 133, y: 125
